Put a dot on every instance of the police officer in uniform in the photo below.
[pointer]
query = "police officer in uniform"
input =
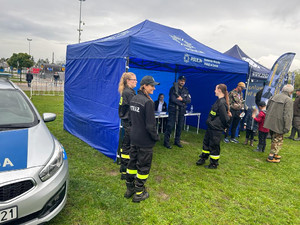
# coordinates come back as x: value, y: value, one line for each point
x: 143, y: 137
x: 217, y: 121
x: 179, y: 97
x: 127, y: 83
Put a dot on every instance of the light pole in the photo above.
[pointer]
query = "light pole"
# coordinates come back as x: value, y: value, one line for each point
x: 29, y: 40
x: 80, y: 22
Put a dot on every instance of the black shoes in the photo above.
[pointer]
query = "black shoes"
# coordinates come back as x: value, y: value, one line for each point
x: 130, y: 189
x: 200, y: 162
x: 167, y: 146
x: 178, y: 145
x: 137, y: 198
x: 211, y: 166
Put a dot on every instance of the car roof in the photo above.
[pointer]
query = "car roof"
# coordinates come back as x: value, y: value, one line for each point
x: 5, y: 83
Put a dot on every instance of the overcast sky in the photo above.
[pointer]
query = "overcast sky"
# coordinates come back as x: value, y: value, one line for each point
x: 263, y: 29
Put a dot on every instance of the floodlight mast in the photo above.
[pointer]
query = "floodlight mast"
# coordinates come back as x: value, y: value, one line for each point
x: 80, y: 22
x: 29, y: 40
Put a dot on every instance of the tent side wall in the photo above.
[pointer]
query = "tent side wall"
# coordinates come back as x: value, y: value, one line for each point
x: 91, y: 102
x: 202, y: 86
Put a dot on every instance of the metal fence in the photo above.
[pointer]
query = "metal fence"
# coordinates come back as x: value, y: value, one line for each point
x: 48, y: 86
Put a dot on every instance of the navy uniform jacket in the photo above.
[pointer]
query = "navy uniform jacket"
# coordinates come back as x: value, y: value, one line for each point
x: 125, y: 99
x: 218, y: 118
x: 164, y: 107
x: 173, y: 101
x: 143, y: 125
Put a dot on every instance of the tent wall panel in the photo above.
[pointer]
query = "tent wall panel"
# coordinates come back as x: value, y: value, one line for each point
x: 91, y: 102
x: 202, y: 86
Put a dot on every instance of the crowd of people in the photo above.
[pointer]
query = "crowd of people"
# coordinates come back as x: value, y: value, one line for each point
x: 137, y: 112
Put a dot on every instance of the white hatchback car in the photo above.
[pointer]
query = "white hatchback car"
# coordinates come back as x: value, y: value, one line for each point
x: 33, y: 164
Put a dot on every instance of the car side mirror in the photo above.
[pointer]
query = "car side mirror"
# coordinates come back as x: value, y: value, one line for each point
x: 48, y: 117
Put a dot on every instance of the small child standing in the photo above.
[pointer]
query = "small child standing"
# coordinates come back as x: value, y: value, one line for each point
x: 262, y: 132
x: 250, y: 125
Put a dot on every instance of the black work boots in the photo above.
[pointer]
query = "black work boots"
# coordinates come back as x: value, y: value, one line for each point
x: 140, y: 196
x: 130, y: 189
x: 138, y: 193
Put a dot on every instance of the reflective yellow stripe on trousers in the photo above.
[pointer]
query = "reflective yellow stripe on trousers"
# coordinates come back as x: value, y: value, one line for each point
x: 131, y: 171
x: 205, y: 151
x: 125, y: 156
x: 142, y: 177
x: 215, y: 156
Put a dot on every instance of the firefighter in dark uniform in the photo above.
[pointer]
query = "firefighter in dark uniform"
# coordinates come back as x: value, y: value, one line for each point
x: 179, y: 97
x: 127, y: 83
x: 143, y: 138
x: 217, y: 121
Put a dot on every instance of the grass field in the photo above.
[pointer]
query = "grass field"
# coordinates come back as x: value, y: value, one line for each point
x: 245, y: 189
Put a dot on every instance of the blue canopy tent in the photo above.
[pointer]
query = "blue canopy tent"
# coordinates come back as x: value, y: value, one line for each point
x: 94, y: 68
x: 258, y: 74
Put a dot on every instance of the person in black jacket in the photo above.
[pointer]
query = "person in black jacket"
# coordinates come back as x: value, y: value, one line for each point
x: 143, y: 138
x: 29, y: 77
x: 161, y: 106
x: 250, y: 125
x: 217, y: 122
x: 127, y: 83
x: 179, y: 97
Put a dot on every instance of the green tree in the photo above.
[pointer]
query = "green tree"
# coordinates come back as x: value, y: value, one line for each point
x: 297, y: 79
x: 20, y: 61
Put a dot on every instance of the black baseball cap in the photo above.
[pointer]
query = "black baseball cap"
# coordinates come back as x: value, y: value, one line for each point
x: 181, y: 77
x: 148, y: 80
x: 298, y: 89
x: 262, y: 104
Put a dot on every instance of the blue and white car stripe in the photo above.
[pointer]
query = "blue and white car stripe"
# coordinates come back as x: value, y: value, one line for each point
x: 13, y: 149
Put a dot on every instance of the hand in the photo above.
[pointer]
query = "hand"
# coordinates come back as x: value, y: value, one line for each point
x: 180, y: 98
x: 229, y: 114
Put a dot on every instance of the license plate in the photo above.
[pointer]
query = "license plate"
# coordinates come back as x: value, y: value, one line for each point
x: 8, y: 214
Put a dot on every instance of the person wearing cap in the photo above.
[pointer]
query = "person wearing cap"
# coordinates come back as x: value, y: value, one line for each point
x: 143, y: 137
x: 278, y: 120
x: 262, y: 132
x: 296, y: 118
x: 127, y: 83
x: 236, y: 103
x: 179, y: 97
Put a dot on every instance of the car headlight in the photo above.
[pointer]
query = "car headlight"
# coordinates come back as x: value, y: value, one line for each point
x: 54, y: 163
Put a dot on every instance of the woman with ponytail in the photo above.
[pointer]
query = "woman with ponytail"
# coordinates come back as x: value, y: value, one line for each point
x: 217, y: 123
x: 127, y: 83
x: 143, y: 138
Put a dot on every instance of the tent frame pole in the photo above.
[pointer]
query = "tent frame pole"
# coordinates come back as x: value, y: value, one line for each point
x: 248, y: 82
x: 127, y: 64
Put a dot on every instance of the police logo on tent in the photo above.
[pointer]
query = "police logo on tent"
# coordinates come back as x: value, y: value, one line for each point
x: 186, y: 58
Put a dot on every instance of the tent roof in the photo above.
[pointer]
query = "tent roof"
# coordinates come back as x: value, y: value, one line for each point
x: 153, y: 42
x: 257, y: 69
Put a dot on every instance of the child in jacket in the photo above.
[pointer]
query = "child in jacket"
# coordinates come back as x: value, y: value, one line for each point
x: 262, y: 132
x: 250, y: 125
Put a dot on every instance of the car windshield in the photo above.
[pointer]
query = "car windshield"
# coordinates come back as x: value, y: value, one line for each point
x: 15, y: 110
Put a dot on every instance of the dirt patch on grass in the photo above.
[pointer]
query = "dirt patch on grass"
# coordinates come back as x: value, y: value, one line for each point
x: 163, y: 196
x: 258, y: 160
x: 158, y: 179
x: 113, y: 173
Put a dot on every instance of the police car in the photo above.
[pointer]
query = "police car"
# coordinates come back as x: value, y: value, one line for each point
x: 33, y: 164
